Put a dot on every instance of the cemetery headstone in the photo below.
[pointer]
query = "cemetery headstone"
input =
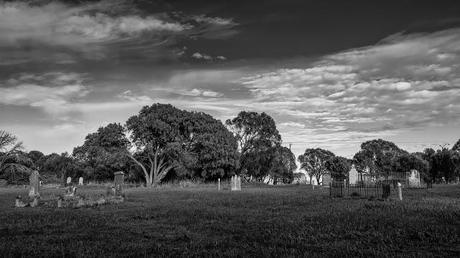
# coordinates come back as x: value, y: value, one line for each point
x: 34, y: 182
x: 236, y: 183
x: 119, y: 181
x: 353, y: 176
x: 69, y: 180
x: 59, y: 202
x: 326, y: 180
x: 218, y: 184
x: 399, y: 191
x: 80, y: 181
x: 414, y: 179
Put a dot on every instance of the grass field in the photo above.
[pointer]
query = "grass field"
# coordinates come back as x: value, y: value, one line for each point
x: 259, y: 221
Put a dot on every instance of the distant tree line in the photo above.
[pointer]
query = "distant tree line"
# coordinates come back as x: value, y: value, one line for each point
x: 380, y: 158
x: 162, y: 143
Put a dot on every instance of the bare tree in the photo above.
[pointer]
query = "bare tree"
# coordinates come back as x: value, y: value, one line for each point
x: 9, y: 145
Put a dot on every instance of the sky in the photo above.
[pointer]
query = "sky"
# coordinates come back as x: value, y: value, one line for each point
x: 332, y: 74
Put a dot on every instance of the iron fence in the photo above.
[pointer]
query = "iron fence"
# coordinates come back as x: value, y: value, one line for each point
x: 341, y: 189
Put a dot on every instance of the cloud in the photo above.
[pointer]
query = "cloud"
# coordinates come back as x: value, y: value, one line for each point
x: 214, y: 20
x: 63, y: 33
x: 200, y: 56
x: 405, y: 82
x: 50, y: 92
x: 59, y: 24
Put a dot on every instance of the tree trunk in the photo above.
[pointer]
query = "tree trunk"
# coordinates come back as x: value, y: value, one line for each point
x: 317, y: 179
x: 148, y: 181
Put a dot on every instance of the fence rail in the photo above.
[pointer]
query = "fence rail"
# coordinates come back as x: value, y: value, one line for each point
x: 340, y: 189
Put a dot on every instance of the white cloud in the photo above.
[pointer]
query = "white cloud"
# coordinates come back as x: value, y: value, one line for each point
x: 407, y: 82
x: 214, y: 20
x: 198, y: 55
x: 59, y: 24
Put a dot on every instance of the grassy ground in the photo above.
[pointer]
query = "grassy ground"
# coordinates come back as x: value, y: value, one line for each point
x: 259, y: 221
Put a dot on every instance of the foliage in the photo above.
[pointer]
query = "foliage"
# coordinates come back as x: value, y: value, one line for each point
x: 445, y: 163
x: 282, y: 164
x: 406, y: 162
x: 103, y: 152
x: 59, y: 167
x: 14, y: 164
x: 377, y: 157
x: 191, y: 144
x: 314, y: 162
x: 456, y: 146
x: 258, y: 141
x: 16, y: 168
x: 339, y: 167
x: 37, y: 157
x: 442, y: 163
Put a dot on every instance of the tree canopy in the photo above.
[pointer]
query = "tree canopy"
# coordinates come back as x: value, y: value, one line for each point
x: 188, y: 143
x: 103, y: 152
x: 377, y: 157
x: 314, y: 162
x: 258, y: 141
x: 339, y: 167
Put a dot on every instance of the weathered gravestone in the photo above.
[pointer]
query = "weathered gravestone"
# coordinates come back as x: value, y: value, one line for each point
x: 119, y: 181
x: 236, y: 183
x: 353, y: 176
x: 326, y: 180
x: 69, y: 180
x: 34, y: 183
x: 80, y: 181
x: 414, y: 179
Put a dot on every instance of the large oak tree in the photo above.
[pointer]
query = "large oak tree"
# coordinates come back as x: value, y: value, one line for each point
x: 192, y: 144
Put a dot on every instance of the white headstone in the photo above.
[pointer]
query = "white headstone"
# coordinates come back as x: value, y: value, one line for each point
x: 353, y: 176
x: 80, y: 181
x: 414, y: 178
x: 69, y: 180
x: 236, y: 183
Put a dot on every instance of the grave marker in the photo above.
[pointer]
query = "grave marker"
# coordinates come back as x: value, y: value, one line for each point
x: 414, y: 179
x: 80, y: 181
x: 119, y: 181
x: 326, y: 179
x: 236, y: 183
x: 69, y: 180
x: 353, y: 176
x: 399, y: 191
x: 34, y: 182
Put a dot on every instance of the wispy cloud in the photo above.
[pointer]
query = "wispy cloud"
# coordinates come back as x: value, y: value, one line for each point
x: 404, y: 82
x: 59, y: 24
x: 95, y: 30
x: 205, y: 57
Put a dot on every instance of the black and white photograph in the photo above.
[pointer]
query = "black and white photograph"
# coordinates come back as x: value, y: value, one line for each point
x: 229, y: 128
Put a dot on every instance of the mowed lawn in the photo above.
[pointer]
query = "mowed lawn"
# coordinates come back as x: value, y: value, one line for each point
x: 259, y: 221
